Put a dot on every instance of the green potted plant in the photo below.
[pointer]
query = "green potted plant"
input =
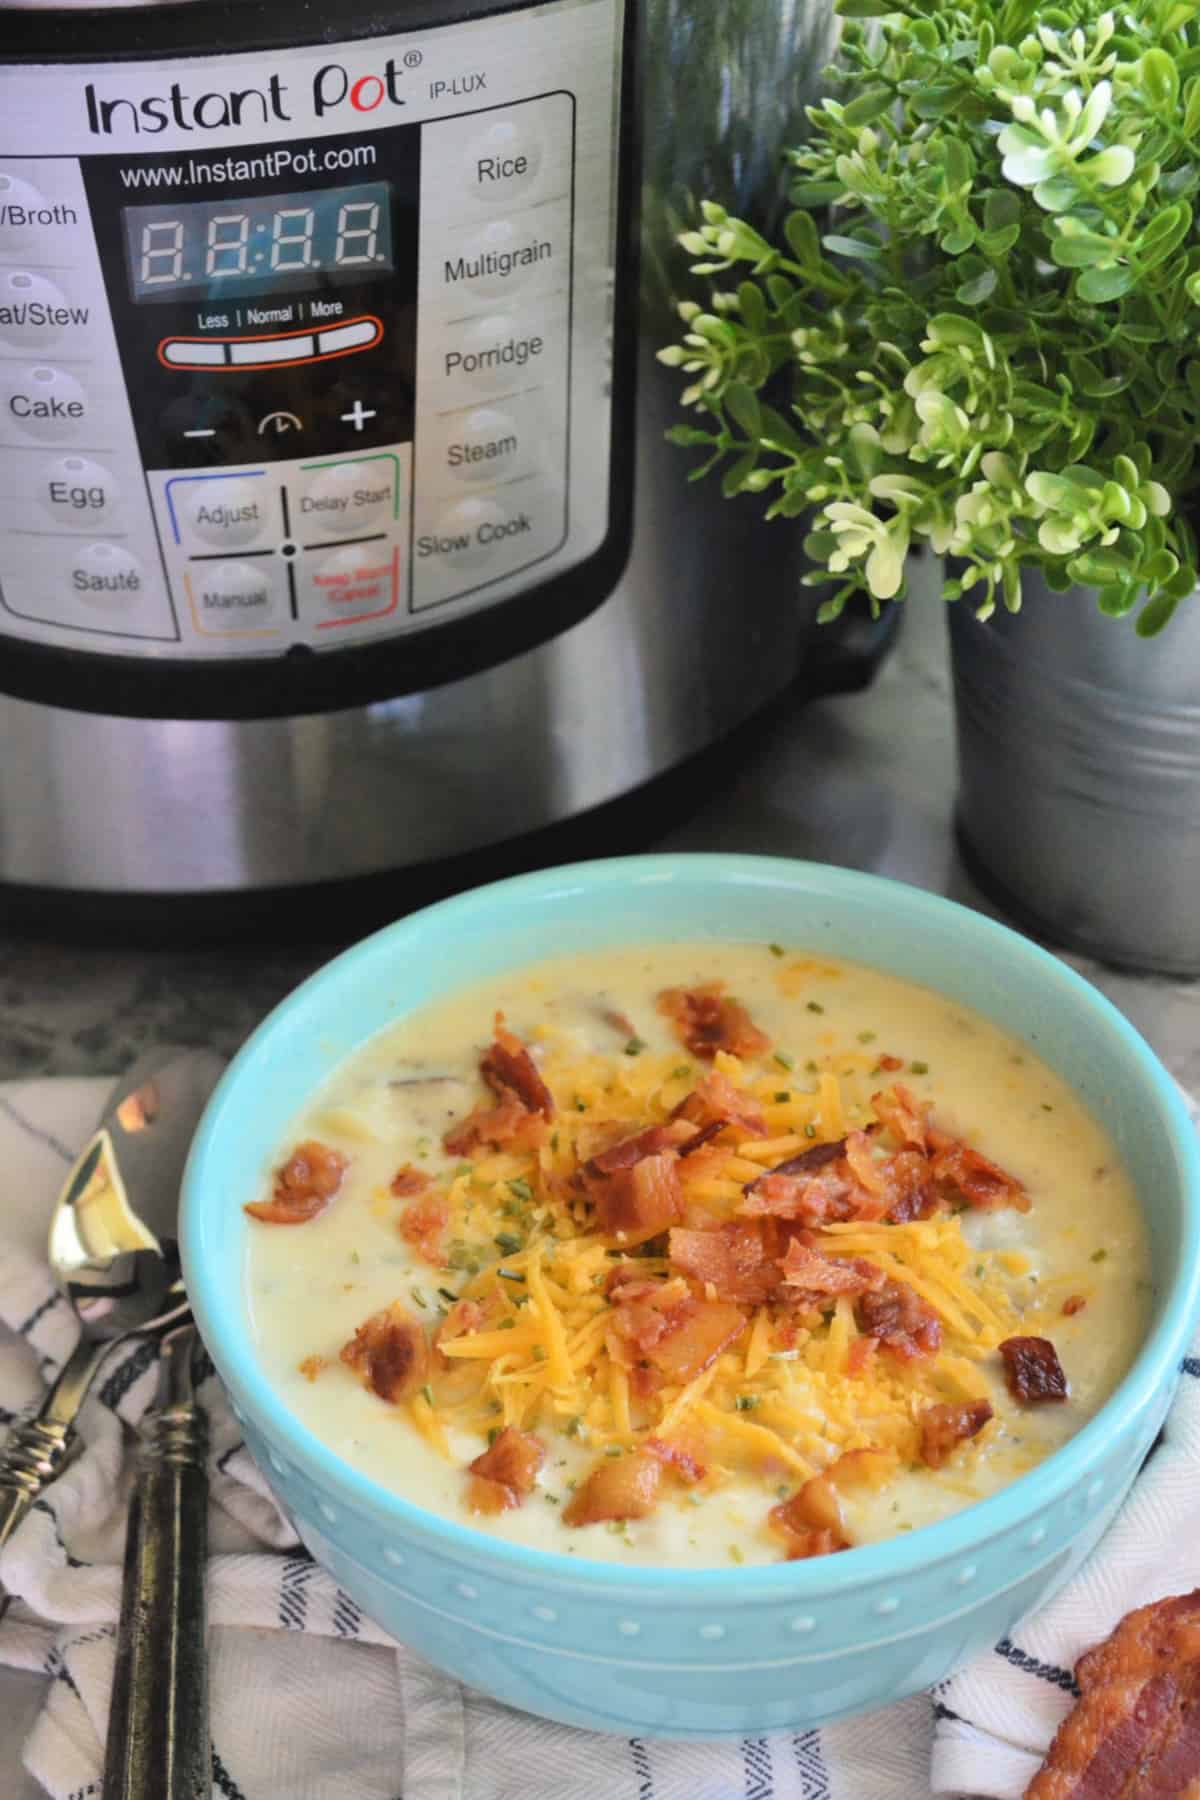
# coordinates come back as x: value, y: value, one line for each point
x: 978, y: 332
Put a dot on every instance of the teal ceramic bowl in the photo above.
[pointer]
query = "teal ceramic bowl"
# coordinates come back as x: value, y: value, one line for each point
x: 680, y: 1652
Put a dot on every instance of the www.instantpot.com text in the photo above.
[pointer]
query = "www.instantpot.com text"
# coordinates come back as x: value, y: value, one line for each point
x: 267, y: 167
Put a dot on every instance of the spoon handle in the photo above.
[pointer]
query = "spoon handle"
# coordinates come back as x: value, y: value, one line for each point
x: 37, y: 1448
x: 158, y: 1742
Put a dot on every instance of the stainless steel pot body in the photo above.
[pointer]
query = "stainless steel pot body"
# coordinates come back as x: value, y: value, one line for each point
x: 707, y: 622
x: 1079, y: 774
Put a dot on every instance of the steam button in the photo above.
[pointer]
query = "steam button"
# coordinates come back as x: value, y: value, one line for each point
x: 40, y: 402
x: 79, y: 493
x: 502, y: 161
x: 483, y: 445
x: 227, y: 511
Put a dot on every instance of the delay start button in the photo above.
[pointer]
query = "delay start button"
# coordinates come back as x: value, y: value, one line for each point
x: 346, y: 497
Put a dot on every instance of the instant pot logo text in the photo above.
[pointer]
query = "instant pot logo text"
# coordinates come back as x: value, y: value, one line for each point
x: 334, y: 89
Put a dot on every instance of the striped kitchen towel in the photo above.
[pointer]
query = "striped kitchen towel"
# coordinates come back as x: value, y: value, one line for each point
x: 311, y: 1701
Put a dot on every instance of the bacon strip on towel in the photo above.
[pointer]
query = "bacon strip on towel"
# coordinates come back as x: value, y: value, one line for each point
x: 304, y: 1185
x: 1032, y: 1371
x: 707, y: 1020
x: 946, y: 1426
x: 391, y: 1353
x: 505, y: 1472
x: 904, y: 1324
x: 1135, y: 1730
x: 523, y: 1101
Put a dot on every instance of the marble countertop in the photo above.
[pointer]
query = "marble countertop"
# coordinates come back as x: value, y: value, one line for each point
x: 865, y: 780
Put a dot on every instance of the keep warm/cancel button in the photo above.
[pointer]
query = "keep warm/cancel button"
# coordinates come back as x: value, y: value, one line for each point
x: 358, y: 582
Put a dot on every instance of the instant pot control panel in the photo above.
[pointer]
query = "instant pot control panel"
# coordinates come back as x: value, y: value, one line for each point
x: 310, y: 350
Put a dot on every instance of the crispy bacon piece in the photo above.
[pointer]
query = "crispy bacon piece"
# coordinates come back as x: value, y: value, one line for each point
x: 1135, y: 1729
x: 423, y: 1225
x: 631, y: 1150
x: 523, y: 1101
x: 391, y: 1353
x: 968, y: 1175
x: 620, y: 1022
x: 509, y: 1465
x: 638, y: 1202
x: 623, y: 1487
x: 674, y: 1456
x: 814, y: 1188
x: 706, y: 1021
x: 696, y: 1340
x: 304, y: 1185
x: 868, y: 1467
x: 861, y: 1355
x: 904, y: 1324
x: 1074, y: 1303
x: 811, y: 1522
x: 464, y: 1317
x: 715, y: 1102
x: 312, y: 1366
x: 910, y: 1188
x: 898, y: 1109
x: 732, y: 1258
x: 823, y: 1276
x: 891, y: 1063
x: 1032, y: 1371
x: 946, y: 1426
x: 408, y: 1181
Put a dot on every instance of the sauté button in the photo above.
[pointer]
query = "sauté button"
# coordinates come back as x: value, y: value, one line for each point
x: 34, y: 312
x: 503, y: 159
x: 227, y: 511
x: 483, y: 445
x: 233, y: 596
x: 105, y: 576
x: 41, y: 402
x: 346, y: 497
x: 78, y: 493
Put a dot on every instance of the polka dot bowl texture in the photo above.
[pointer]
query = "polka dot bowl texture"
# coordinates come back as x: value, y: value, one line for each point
x: 684, y: 1652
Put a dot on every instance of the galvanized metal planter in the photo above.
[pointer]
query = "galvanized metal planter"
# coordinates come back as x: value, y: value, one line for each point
x: 1079, y: 774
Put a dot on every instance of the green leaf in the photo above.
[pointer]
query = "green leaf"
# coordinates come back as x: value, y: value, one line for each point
x: 863, y: 249
x: 1159, y: 80
x: 863, y: 9
x: 1099, y: 285
x: 814, y: 193
x: 688, y: 435
x: 1001, y: 209
x: 1058, y: 194
x: 752, y: 307
x: 979, y: 288
x: 736, y: 473
x: 1156, y: 614
x: 775, y: 429
x: 1191, y: 108
x: 801, y: 234
x: 741, y: 403
x: 1163, y: 234
x: 1083, y: 250
x: 867, y: 106
x: 1116, y: 601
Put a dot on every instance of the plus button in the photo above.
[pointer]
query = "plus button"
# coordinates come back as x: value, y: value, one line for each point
x: 358, y: 415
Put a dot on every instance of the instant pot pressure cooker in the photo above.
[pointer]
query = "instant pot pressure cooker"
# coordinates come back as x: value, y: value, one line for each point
x: 338, y: 532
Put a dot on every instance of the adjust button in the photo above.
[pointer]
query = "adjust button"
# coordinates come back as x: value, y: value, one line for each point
x: 226, y: 511
x: 348, y: 497
x: 78, y: 493
x: 41, y: 402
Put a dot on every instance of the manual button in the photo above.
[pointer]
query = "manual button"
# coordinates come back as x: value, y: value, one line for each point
x: 229, y: 597
x: 342, y: 498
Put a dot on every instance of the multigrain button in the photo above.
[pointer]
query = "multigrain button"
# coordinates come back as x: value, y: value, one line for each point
x: 483, y: 445
x: 105, y: 576
x: 40, y: 402
x: 502, y: 161
x: 78, y: 493
x: 500, y: 258
x: 347, y: 497
x: 34, y: 312
x: 226, y: 511
x: 233, y: 596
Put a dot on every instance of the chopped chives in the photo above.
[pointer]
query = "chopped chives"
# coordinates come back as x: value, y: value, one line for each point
x: 776, y: 949
x: 782, y: 1096
x: 520, y: 1189
x: 507, y: 1242
x: 427, y: 1394
x: 919, y: 1068
x: 635, y: 1046
x: 447, y: 1295
x: 784, y: 1060
x: 746, y: 1402
x: 814, y: 1006
x: 510, y: 1275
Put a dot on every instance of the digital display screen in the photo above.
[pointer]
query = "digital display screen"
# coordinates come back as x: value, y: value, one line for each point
x: 219, y: 249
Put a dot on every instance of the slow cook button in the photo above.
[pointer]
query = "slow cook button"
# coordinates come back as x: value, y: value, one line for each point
x: 40, y: 402
x: 483, y: 445
x: 78, y: 493
x: 502, y: 161
x: 34, y: 312
x: 346, y: 497
x: 227, y: 511
x: 105, y: 576
x: 468, y: 534
x: 233, y: 596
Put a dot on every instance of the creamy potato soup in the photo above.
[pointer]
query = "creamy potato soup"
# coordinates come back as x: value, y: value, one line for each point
x: 695, y: 1254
